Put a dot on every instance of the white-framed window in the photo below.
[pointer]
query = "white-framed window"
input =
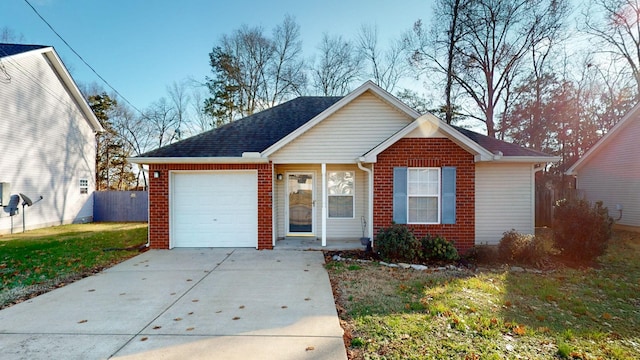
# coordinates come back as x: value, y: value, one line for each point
x: 341, y: 194
x: 84, y: 186
x: 423, y: 195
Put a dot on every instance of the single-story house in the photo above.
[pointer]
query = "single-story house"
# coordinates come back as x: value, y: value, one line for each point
x: 610, y: 171
x: 324, y: 166
x: 48, y: 143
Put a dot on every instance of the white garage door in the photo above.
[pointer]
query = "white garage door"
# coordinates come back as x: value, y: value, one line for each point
x: 214, y: 209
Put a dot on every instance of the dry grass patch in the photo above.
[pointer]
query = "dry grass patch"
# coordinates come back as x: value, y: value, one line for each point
x: 494, y: 314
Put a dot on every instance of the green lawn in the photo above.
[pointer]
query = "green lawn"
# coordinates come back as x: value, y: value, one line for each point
x: 38, y: 260
x: 494, y: 313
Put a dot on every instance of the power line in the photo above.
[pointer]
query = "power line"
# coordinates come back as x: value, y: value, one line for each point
x: 81, y: 58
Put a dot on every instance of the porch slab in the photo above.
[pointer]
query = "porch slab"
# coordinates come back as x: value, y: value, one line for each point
x: 313, y: 243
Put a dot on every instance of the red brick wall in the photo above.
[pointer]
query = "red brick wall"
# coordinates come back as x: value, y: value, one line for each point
x: 428, y: 152
x: 159, y: 200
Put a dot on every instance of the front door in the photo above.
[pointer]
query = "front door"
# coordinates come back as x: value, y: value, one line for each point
x: 300, y: 203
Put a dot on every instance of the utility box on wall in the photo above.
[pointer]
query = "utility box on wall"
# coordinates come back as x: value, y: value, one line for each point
x: 5, y: 193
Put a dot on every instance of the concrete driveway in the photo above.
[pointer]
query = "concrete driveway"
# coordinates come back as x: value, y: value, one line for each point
x: 184, y: 304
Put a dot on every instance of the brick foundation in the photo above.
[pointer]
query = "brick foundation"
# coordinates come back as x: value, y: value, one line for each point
x: 159, y: 200
x: 428, y: 152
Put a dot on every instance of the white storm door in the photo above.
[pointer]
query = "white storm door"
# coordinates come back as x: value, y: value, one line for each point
x: 300, y: 204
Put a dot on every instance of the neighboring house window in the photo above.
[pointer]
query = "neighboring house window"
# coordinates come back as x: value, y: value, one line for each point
x: 424, y: 195
x: 341, y: 194
x: 84, y: 186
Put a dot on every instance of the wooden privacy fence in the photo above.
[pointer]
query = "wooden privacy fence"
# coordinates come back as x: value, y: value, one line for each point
x: 116, y: 206
x: 546, y: 200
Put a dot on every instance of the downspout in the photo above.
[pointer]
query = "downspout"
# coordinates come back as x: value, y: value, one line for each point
x: 324, y: 204
x: 370, y: 200
x: 148, y: 210
x: 273, y: 207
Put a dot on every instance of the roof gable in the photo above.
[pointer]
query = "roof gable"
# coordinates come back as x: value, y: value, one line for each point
x: 601, y: 144
x: 483, y: 147
x: 12, y: 54
x: 367, y: 86
x: 264, y: 133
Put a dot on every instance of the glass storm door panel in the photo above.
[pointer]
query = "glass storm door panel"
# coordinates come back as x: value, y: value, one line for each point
x: 300, y: 199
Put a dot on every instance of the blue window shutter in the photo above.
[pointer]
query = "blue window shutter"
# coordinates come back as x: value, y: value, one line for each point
x: 400, y: 195
x: 448, y: 195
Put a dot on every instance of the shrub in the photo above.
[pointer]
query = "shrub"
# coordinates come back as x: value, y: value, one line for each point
x: 513, y: 245
x: 397, y: 243
x: 580, y: 229
x: 525, y: 248
x: 438, y: 248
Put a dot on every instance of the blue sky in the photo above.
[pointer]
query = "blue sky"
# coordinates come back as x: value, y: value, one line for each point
x: 140, y: 47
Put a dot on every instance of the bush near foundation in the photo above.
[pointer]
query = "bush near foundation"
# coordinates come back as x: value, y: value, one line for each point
x: 581, y: 230
x: 525, y: 248
x: 437, y: 248
x: 397, y: 243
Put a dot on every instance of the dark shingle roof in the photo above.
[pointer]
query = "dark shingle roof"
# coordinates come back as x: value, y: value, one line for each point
x: 259, y: 131
x: 255, y: 133
x: 494, y: 145
x: 13, y: 49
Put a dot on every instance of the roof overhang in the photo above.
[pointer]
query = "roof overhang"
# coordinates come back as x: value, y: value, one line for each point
x: 199, y: 160
x: 526, y: 159
x: 70, y: 84
x: 367, y: 86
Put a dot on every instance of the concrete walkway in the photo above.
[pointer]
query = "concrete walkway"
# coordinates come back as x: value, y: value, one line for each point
x: 184, y: 304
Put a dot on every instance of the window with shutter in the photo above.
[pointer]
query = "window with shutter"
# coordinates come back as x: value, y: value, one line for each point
x: 424, y: 195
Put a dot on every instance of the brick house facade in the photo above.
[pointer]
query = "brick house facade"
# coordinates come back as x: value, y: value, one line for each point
x: 159, y: 200
x: 367, y: 141
x: 428, y: 152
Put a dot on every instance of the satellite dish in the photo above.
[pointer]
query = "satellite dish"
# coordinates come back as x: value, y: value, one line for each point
x: 26, y: 200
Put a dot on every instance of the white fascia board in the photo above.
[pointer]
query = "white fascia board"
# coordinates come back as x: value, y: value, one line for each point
x: 367, y: 86
x: 526, y: 159
x: 198, y: 160
x: 316, y: 162
x: 633, y: 113
x: 432, y: 124
x: 64, y: 75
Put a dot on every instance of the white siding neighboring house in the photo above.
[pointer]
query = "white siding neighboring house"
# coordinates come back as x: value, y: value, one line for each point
x: 610, y: 171
x: 47, y: 139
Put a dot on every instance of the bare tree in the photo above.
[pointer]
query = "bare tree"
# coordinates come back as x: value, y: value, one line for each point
x: 163, y: 122
x: 385, y: 66
x: 497, y: 34
x: 615, y: 24
x: 252, y: 72
x: 436, y: 50
x: 250, y: 52
x: 180, y: 99
x: 337, y: 68
x: 286, y: 72
x: 135, y: 133
x: 484, y: 43
x: 201, y: 120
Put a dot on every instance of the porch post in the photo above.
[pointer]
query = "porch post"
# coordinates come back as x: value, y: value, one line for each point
x: 324, y: 204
